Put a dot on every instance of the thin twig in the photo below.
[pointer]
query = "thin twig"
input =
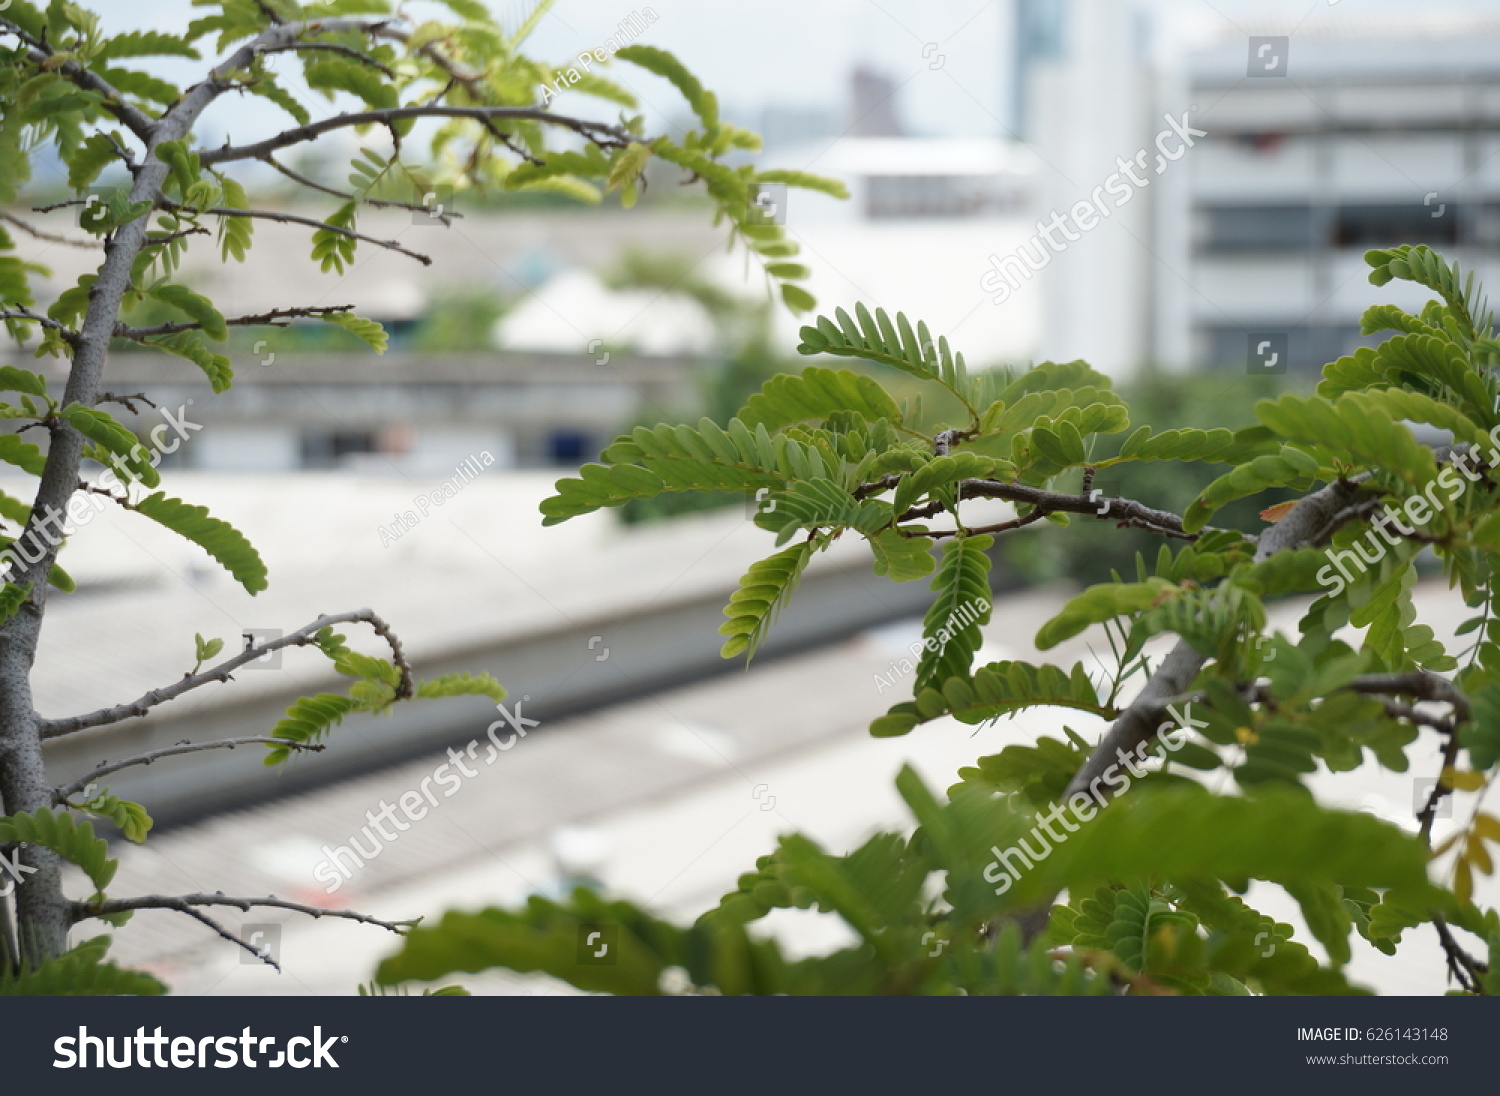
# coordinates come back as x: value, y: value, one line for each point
x: 153, y: 240
x: 379, y: 203
x: 59, y: 205
x: 56, y: 728
x: 1464, y: 967
x: 263, y: 954
x: 311, y: 222
x: 1122, y: 511
x: 333, y: 47
x: 602, y: 134
x: 277, y: 317
x: 21, y: 312
x: 50, y: 237
x: 68, y: 790
x: 185, y: 902
x: 127, y: 402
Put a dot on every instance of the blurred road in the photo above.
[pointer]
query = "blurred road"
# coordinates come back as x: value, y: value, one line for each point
x: 671, y: 798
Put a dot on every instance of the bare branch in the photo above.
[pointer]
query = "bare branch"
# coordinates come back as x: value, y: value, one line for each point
x: 1466, y: 970
x: 21, y: 312
x: 277, y: 317
x: 263, y: 954
x: 50, y: 237
x: 127, y: 402
x: 58, y: 205
x: 1123, y: 511
x: 333, y: 47
x: 152, y: 239
x: 186, y: 903
x: 602, y: 134
x: 56, y: 728
x: 311, y: 222
x: 184, y: 747
x: 379, y: 203
x: 1422, y: 684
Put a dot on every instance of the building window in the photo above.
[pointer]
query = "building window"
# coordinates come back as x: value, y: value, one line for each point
x: 568, y: 447
x: 1256, y: 228
x: 1309, y: 346
x: 323, y: 449
x: 1366, y: 226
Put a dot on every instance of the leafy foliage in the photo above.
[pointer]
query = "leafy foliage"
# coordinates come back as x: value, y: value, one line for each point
x: 1152, y: 879
x: 218, y: 538
x: 129, y: 142
x: 80, y: 972
x: 65, y: 835
x: 1183, y: 933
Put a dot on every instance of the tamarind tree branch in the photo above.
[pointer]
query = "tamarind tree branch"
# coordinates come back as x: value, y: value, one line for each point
x: 1175, y: 675
x: 446, y: 216
x: 1123, y: 511
x: 56, y: 728
x: 190, y: 903
x: 183, y: 747
x: 51, y: 237
x: 296, y: 219
x: 600, y: 133
x: 276, y: 317
x: 42, y: 54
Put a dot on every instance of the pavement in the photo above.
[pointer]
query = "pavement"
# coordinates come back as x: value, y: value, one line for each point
x: 667, y: 800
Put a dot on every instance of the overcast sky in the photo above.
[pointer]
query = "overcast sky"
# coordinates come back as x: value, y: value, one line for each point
x: 756, y: 53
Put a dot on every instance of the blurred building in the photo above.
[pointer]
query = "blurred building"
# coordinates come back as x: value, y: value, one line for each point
x: 406, y: 414
x: 1326, y: 135
x: 1338, y: 138
x: 918, y: 208
x: 1088, y: 102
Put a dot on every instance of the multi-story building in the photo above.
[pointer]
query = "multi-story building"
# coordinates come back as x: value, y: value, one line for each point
x: 1322, y: 143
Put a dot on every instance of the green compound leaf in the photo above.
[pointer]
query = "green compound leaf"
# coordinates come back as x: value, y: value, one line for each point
x: 308, y: 720
x: 190, y: 346
x: 368, y: 330
x: 80, y: 972
x: 816, y: 394
x: 764, y: 591
x: 101, y: 427
x: 218, y: 538
x: 65, y: 834
x: 461, y: 685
